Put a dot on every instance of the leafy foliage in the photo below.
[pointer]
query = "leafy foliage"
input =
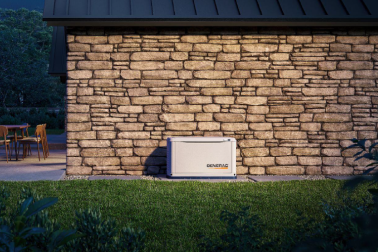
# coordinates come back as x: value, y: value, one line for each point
x: 29, y: 228
x: 103, y: 235
x: 54, y: 120
x: 25, y: 42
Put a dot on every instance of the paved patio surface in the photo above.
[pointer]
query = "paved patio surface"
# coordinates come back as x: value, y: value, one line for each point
x: 30, y: 169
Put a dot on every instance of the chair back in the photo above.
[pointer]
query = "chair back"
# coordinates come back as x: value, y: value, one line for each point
x: 3, y: 132
x: 39, y: 132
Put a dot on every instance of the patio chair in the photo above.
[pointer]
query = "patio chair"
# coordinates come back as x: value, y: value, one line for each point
x: 26, y: 134
x: 38, y: 139
x: 45, y: 138
x: 5, y: 141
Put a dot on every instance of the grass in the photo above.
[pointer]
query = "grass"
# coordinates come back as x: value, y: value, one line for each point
x: 48, y: 131
x: 174, y: 214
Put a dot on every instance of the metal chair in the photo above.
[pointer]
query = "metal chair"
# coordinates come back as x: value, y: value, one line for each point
x: 5, y: 141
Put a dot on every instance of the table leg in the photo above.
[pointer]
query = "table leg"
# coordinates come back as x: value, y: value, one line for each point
x: 15, y: 144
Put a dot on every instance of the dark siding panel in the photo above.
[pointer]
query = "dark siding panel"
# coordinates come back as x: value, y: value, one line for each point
x: 58, y: 54
x: 60, y: 7
x: 78, y: 7
x: 248, y: 8
x: 372, y: 6
x: 184, y: 7
x: 205, y: 8
x: 291, y: 7
x: 100, y: 7
x: 121, y: 7
x: 162, y: 7
x: 270, y: 7
x: 141, y: 7
x: 312, y: 8
x: 334, y: 7
x: 227, y: 7
x: 355, y: 7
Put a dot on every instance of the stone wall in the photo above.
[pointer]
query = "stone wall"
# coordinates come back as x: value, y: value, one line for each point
x: 292, y: 98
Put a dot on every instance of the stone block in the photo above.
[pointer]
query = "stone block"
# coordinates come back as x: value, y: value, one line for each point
x: 130, y: 109
x: 94, y: 65
x: 209, y: 126
x: 194, y: 39
x: 308, y: 160
x: 91, y: 39
x: 260, y: 47
x: 259, y: 161
x: 102, y: 161
x: 224, y: 99
x: 285, y: 170
x: 150, y: 56
x: 79, y: 126
x: 95, y: 99
x: 206, y: 83
x: 286, y: 109
x: 146, y: 65
x: 290, y: 74
x: 77, y: 47
x: 259, y: 82
x: 290, y: 135
x: 120, y: 56
x: 134, y: 135
x: 102, y: 48
x: 177, y: 117
x: 251, y: 100
x: 327, y: 65
x: 353, y: 39
x: 340, y: 75
x: 231, y: 48
x: 120, y: 100
x: 97, y: 152
x: 319, y: 91
x: 212, y: 74
x: 255, y: 152
x: 207, y: 48
x: 199, y: 65
x: 182, y: 126
x: 306, y: 151
x: 334, y: 161
x: 78, y: 117
x: 216, y: 91
x: 337, y: 170
x: 130, y: 126
x: 280, y: 151
x: 299, y: 39
x: 332, y: 117
x: 147, y: 100
x: 182, y: 108
x: 311, y: 126
x: 153, y: 152
x: 252, y: 65
x: 251, y: 143
x: 257, y: 170
x: 174, y: 99
x: 98, y: 56
x: 258, y: 110
x: 106, y: 74
x: 79, y: 74
x: 229, y: 117
x: 130, y: 161
x: 234, y: 126
x: 94, y: 143
x: 228, y: 57
x: 366, y: 74
x: 260, y: 126
x: 159, y: 75
x: 288, y: 160
x: 355, y: 65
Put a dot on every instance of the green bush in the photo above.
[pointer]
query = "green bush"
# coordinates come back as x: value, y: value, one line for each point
x: 29, y: 228
x: 54, y: 120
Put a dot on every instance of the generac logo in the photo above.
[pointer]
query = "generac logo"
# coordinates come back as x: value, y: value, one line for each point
x: 217, y: 166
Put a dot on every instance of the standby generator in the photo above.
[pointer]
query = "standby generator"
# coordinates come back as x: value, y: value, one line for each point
x: 201, y: 157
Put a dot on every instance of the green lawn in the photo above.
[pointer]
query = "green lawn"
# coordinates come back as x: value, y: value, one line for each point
x: 48, y: 131
x: 174, y: 214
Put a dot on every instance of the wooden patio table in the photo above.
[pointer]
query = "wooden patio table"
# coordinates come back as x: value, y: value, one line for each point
x: 14, y: 129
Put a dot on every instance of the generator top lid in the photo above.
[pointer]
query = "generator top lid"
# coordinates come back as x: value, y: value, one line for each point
x: 211, y: 12
x: 201, y: 139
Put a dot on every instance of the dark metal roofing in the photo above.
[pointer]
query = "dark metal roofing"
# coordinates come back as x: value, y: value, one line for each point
x: 210, y: 12
x: 58, y: 54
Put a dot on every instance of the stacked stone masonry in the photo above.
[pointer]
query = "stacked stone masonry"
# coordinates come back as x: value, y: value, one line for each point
x: 293, y: 98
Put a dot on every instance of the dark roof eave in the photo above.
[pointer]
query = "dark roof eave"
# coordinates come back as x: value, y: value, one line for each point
x: 324, y: 22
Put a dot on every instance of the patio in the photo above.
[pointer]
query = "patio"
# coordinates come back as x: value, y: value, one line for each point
x: 30, y: 169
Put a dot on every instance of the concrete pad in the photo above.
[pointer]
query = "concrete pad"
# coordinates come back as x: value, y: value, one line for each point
x: 163, y: 177
x: 30, y: 169
x: 274, y: 178
x: 347, y: 177
x: 113, y: 177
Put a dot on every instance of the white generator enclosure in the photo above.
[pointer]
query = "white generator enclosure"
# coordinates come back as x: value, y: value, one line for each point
x: 201, y: 157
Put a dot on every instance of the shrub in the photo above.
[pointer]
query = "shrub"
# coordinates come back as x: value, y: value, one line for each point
x: 103, y: 235
x: 29, y: 228
x: 54, y: 120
